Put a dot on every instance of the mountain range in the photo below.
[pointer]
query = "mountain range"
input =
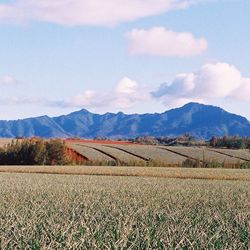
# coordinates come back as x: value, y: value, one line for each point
x: 198, y: 120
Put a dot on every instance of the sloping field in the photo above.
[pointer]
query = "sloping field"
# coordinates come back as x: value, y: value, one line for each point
x: 90, y: 153
x: 152, y: 153
x: 116, y: 153
x: 243, y: 154
x: 199, y: 153
x: 167, y: 155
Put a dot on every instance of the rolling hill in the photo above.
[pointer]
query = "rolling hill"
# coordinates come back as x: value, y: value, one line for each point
x: 201, y: 121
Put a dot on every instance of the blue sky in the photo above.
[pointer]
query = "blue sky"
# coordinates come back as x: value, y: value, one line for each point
x: 131, y: 56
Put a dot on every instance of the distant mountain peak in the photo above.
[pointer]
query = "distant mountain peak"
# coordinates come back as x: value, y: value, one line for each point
x: 199, y: 120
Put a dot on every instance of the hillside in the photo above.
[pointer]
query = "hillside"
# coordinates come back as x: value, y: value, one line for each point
x: 201, y: 121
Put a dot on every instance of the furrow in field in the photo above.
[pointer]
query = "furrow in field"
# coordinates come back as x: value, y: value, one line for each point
x: 203, y: 154
x: 129, y: 153
x: 104, y: 152
x: 90, y: 153
x: 228, y: 154
x: 148, y: 152
x: 180, y: 153
x: 118, y: 155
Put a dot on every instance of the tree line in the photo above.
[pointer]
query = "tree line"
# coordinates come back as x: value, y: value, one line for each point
x: 233, y: 142
x: 34, y: 152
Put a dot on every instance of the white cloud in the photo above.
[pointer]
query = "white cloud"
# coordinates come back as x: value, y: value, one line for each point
x: 159, y: 41
x: 211, y: 82
x: 7, y: 80
x: 128, y: 94
x: 125, y: 95
x: 87, y: 12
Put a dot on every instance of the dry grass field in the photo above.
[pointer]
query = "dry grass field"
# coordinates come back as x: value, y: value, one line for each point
x: 112, y: 212
x: 162, y: 172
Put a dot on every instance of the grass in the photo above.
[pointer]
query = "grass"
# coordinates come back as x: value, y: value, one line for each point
x: 163, y: 172
x: 107, y: 212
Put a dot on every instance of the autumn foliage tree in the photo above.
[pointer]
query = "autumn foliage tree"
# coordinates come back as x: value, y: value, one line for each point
x: 34, y: 152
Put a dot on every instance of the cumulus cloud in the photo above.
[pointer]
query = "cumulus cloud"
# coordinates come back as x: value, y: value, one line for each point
x: 7, y: 80
x: 124, y: 95
x: 210, y: 82
x: 87, y: 12
x: 158, y: 41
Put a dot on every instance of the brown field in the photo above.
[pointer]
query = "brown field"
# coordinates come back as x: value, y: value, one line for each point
x: 165, y: 156
x: 180, y: 173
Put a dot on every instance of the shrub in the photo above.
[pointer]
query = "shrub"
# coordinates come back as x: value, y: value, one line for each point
x: 245, y: 165
x: 190, y: 163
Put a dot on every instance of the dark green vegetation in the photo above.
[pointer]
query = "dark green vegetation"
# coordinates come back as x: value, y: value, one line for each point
x: 88, y: 212
x: 200, y: 121
x: 233, y: 142
x: 34, y: 152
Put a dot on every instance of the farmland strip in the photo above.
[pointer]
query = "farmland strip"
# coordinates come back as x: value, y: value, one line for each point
x: 128, y: 152
x: 103, y: 152
x: 181, y: 154
x: 181, y: 173
x: 222, y: 153
x: 72, y: 152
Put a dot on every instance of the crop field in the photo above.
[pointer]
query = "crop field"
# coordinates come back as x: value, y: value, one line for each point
x: 164, y: 156
x: 113, y: 152
x: 162, y: 172
x: 199, y: 153
x: 137, y: 153
x: 243, y: 154
x: 90, y: 153
x: 41, y: 211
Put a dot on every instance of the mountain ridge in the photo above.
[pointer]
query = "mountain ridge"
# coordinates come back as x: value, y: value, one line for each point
x: 199, y: 120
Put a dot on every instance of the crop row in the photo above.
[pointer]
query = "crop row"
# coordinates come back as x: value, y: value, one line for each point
x: 167, y: 155
x: 107, y: 212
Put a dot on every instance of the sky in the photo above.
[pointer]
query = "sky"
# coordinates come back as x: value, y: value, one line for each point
x: 134, y: 56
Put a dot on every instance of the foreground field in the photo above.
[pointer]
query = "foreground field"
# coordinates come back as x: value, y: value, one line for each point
x: 104, y: 212
x: 180, y: 173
